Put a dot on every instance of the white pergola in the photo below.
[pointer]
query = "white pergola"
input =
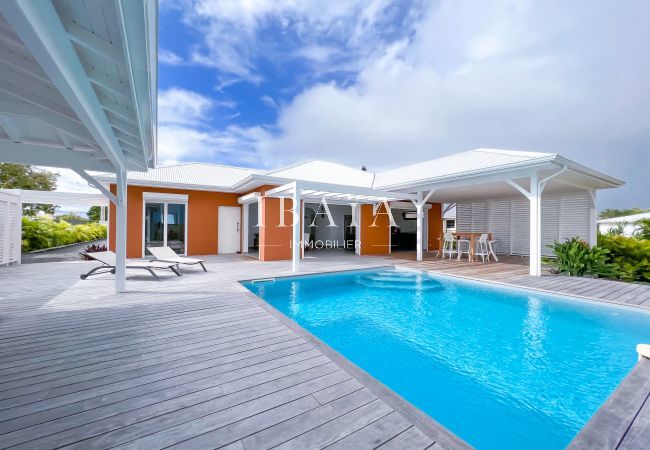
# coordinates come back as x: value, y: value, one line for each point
x: 307, y: 191
x: 78, y: 90
x: 553, y: 176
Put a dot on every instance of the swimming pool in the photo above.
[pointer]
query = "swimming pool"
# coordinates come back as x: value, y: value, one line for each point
x: 501, y: 368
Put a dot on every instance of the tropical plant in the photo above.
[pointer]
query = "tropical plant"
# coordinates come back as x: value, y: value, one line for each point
x: 92, y: 248
x: 642, y: 229
x: 71, y: 218
x: 576, y: 258
x: 45, y: 233
x: 610, y: 213
x: 94, y: 213
x: 628, y: 258
x: 617, y: 230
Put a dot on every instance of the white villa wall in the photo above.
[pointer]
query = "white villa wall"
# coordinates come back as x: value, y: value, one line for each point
x: 10, y: 227
x: 563, y: 216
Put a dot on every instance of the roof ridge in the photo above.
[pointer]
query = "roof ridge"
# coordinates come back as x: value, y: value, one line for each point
x: 206, y: 164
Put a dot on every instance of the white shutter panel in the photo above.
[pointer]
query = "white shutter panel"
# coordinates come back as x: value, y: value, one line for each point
x: 14, y: 236
x: 4, y: 244
x: 520, y: 226
x: 464, y: 217
x: 500, y: 224
x: 479, y: 217
x: 550, y: 218
x: 574, y: 215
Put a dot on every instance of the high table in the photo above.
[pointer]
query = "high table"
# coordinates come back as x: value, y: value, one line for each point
x: 472, y: 238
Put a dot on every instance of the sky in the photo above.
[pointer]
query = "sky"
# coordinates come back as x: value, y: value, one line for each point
x: 265, y: 83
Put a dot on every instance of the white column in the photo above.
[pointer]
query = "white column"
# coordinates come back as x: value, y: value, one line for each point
x: 535, y: 227
x: 593, y: 219
x: 244, y: 228
x: 120, y: 232
x: 419, y: 206
x: 295, y: 245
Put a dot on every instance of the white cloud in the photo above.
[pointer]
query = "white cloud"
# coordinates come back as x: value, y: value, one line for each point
x: 170, y: 58
x: 181, y: 106
x: 231, y: 31
x: 547, y: 76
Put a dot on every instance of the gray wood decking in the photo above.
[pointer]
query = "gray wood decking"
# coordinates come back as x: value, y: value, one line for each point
x: 189, y: 362
x: 623, y: 422
x: 514, y: 271
x: 199, y: 362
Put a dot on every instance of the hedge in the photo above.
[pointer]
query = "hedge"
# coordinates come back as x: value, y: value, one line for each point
x: 46, y: 233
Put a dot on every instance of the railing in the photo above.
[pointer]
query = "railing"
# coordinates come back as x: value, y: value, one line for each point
x: 10, y: 227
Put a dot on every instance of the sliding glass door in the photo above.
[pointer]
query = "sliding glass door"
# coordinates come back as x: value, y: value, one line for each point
x: 176, y: 227
x: 164, y: 225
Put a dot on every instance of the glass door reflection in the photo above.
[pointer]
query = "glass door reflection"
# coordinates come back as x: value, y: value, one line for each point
x: 176, y: 227
x: 154, y: 226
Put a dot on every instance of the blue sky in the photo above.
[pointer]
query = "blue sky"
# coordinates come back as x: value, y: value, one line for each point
x: 384, y: 83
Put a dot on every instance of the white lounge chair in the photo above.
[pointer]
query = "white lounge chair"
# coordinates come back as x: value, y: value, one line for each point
x: 166, y: 254
x: 108, y: 264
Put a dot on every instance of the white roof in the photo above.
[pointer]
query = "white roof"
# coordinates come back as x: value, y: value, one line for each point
x: 325, y: 172
x: 190, y: 175
x: 630, y: 219
x: 411, y: 178
x: 479, y: 160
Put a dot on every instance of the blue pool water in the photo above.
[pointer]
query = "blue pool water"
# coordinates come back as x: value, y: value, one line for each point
x: 501, y: 368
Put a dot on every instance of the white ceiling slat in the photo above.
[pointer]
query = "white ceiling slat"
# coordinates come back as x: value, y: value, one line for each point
x: 91, y: 41
x: 105, y: 81
x: 22, y: 63
x: 57, y: 121
x: 117, y: 109
x: 24, y: 82
x: 43, y: 156
x: 43, y: 102
x: 123, y: 128
x: 10, y: 129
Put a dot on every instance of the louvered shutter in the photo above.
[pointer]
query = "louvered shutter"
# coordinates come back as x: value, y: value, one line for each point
x: 550, y: 219
x: 464, y: 217
x: 499, y: 224
x: 574, y: 215
x: 479, y: 217
x: 520, y: 226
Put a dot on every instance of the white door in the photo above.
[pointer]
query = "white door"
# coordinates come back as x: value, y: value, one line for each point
x: 229, y: 229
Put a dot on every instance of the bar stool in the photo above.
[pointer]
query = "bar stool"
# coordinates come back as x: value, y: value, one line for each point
x: 464, y: 248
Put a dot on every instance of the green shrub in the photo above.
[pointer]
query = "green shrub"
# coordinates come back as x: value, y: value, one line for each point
x: 643, y: 229
x: 574, y: 257
x: 628, y: 258
x: 45, y: 233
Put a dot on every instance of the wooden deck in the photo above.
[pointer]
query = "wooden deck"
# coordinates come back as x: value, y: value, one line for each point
x: 190, y: 362
x: 513, y: 270
x: 199, y: 362
x: 623, y: 422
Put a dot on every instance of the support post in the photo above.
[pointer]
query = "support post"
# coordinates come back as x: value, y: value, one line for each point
x: 535, y: 227
x: 419, y: 206
x: 244, y: 227
x: 593, y: 219
x: 120, y: 231
x: 296, y: 244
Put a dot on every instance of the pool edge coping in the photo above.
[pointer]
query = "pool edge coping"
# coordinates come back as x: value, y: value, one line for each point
x: 425, y: 423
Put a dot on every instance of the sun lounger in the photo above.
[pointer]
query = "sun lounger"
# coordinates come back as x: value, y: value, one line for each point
x: 166, y: 254
x: 108, y: 265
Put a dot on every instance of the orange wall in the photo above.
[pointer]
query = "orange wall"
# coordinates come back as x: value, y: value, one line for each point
x: 374, y: 240
x: 434, y: 226
x: 202, y: 214
x: 275, y: 241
